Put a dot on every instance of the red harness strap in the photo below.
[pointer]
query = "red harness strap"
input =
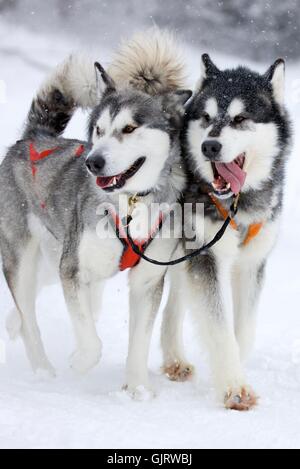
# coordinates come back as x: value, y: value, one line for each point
x: 129, y: 258
x: 35, y: 156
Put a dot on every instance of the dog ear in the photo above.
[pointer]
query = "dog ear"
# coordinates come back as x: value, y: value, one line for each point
x: 175, y: 100
x: 276, y: 75
x: 173, y: 104
x: 182, y: 96
x: 208, y: 68
x: 103, y: 81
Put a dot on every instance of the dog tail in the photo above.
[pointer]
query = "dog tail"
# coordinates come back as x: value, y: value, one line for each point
x: 151, y: 62
x: 72, y: 85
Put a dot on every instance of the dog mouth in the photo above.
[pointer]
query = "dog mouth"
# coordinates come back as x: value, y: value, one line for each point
x: 229, y: 178
x: 112, y: 183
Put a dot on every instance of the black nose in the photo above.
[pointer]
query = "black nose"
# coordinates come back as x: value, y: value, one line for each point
x: 211, y: 149
x: 95, y: 164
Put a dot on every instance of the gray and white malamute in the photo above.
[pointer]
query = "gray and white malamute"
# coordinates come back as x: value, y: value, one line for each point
x: 52, y: 192
x: 236, y: 144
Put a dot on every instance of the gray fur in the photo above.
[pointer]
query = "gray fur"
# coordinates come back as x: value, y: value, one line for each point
x: 63, y: 196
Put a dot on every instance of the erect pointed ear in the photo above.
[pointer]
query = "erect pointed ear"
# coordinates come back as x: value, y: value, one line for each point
x: 103, y: 80
x: 175, y: 100
x: 173, y: 104
x: 276, y: 75
x: 182, y: 96
x: 208, y: 68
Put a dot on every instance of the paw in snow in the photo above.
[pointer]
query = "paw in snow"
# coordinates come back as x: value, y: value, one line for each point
x: 139, y: 393
x: 46, y: 373
x: 243, y: 399
x: 42, y: 367
x: 84, y: 360
x: 179, y: 371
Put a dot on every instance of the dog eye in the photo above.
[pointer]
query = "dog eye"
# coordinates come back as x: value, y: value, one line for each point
x: 206, y: 117
x: 99, y: 131
x: 239, y: 119
x: 129, y: 129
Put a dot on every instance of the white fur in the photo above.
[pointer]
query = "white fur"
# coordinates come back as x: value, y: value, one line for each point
x: 76, y: 79
x: 122, y: 151
x: 211, y: 107
x: 278, y: 83
x: 25, y: 300
x: 173, y: 318
x: 259, y: 142
x: 236, y: 108
x: 229, y: 330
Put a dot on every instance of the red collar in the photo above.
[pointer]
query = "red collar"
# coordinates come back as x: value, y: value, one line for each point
x: 129, y: 258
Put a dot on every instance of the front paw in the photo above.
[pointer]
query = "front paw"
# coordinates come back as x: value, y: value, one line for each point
x: 242, y: 399
x: 84, y: 360
x: 179, y: 371
x: 140, y: 393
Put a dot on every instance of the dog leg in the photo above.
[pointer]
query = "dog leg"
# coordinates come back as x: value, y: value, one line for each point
x: 20, y: 270
x: 78, y: 296
x: 247, y: 287
x: 213, y: 306
x: 97, y: 290
x: 144, y: 304
x: 176, y: 366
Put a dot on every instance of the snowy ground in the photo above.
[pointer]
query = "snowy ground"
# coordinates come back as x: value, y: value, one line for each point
x: 91, y: 412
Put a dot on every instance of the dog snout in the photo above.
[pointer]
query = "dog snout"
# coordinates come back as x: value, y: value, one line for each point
x: 212, y: 149
x: 95, y: 164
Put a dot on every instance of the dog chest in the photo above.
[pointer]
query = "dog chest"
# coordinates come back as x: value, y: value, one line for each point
x: 99, y: 254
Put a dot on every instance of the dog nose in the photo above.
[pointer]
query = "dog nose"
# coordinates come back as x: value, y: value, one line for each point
x: 95, y: 164
x: 211, y: 149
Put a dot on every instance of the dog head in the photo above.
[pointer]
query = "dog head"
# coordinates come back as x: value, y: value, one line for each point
x: 132, y: 135
x: 236, y: 126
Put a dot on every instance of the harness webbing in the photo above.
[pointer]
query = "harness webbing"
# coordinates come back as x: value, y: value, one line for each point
x: 131, y: 254
x: 253, y: 230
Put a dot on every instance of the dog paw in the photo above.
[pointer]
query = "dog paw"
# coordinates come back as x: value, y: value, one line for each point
x: 179, y: 371
x: 242, y: 400
x: 139, y: 393
x: 84, y: 360
x: 45, y: 373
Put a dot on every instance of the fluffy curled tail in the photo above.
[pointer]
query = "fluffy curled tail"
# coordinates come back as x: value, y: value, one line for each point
x: 70, y: 86
x: 151, y: 62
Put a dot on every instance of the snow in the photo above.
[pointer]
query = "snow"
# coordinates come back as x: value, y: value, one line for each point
x: 91, y: 411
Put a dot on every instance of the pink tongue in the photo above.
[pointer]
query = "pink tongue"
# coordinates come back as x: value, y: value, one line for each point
x: 233, y: 174
x: 104, y: 182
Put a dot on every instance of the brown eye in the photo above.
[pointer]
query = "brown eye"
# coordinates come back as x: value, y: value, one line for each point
x: 98, y: 131
x: 239, y: 119
x: 129, y: 129
x: 206, y: 117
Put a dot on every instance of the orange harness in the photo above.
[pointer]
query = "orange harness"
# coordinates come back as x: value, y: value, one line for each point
x: 253, y: 230
x: 130, y: 258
